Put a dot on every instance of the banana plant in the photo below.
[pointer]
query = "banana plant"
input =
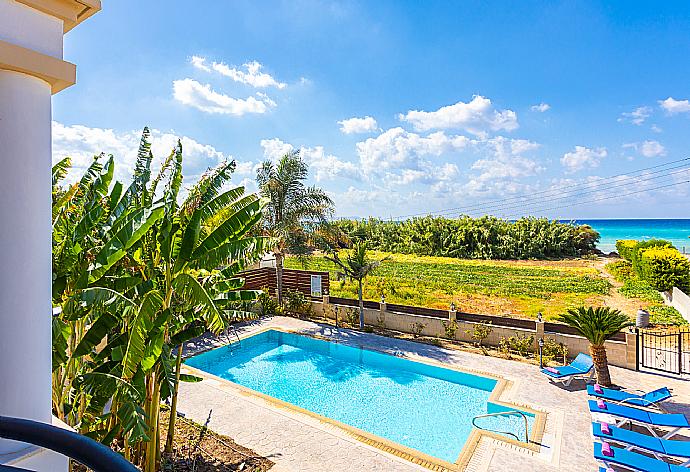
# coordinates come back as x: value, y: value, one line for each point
x: 130, y: 294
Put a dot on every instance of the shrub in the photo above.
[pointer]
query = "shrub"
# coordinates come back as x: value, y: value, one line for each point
x: 450, y: 327
x: 621, y: 270
x: 625, y: 248
x: 666, y: 315
x: 417, y: 329
x: 480, y: 332
x: 520, y: 343
x: 296, y: 303
x: 553, y: 350
x: 643, y: 246
x: 664, y: 268
x: 269, y: 306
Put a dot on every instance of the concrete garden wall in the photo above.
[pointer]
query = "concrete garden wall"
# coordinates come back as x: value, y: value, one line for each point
x: 621, y: 354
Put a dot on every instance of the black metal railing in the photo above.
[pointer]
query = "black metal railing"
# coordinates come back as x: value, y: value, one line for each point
x: 85, y: 450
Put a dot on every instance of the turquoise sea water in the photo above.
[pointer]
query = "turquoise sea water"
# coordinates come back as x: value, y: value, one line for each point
x: 420, y: 406
x: 675, y: 230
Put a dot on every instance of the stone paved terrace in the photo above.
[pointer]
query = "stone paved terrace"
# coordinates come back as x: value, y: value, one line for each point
x: 298, y: 442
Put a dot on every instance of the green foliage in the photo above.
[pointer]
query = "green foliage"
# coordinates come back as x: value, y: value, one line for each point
x: 625, y: 248
x: 666, y: 316
x: 553, y: 350
x: 474, y: 238
x: 636, y: 288
x: 521, y: 344
x: 621, y: 270
x: 596, y: 324
x: 435, y: 282
x: 269, y: 305
x: 134, y: 273
x: 480, y: 332
x: 417, y: 328
x: 296, y: 303
x: 665, y: 268
x: 450, y: 328
x: 640, y: 248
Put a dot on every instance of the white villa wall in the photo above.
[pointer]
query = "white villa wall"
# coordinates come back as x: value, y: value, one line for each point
x: 678, y: 300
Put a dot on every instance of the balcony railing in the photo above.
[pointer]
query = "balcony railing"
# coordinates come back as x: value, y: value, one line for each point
x: 92, y: 454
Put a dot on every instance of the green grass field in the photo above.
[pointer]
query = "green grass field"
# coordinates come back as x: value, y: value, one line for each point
x: 520, y: 288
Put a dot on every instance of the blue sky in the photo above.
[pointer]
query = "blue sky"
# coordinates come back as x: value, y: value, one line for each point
x: 399, y: 107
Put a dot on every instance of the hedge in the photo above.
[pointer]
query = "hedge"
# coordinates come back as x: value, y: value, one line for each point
x: 625, y: 248
x: 664, y: 268
x: 642, y: 246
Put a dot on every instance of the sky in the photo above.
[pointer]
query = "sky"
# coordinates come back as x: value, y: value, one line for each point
x: 399, y: 108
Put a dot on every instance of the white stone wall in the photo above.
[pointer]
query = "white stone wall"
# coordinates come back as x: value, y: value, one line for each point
x: 678, y: 300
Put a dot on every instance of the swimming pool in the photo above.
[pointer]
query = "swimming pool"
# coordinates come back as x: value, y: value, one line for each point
x: 417, y: 405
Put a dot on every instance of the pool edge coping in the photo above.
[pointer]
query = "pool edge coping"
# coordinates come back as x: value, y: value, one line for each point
x: 383, y: 444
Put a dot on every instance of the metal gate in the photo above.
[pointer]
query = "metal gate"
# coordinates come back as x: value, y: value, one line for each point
x: 666, y: 351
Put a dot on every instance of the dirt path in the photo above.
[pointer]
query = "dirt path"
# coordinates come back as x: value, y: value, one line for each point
x: 614, y: 299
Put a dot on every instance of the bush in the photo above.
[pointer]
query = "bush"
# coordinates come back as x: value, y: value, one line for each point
x: 269, y: 306
x: 553, y: 350
x: 296, y: 303
x: 450, y: 327
x: 621, y: 270
x: 643, y: 246
x: 520, y: 343
x: 666, y: 315
x: 625, y: 248
x: 664, y: 268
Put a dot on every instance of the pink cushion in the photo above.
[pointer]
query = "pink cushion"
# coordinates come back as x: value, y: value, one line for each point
x: 598, y: 389
x: 601, y: 404
x: 606, y: 449
x: 552, y: 370
x: 605, y: 428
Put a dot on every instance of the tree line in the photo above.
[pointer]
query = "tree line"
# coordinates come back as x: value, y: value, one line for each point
x: 486, y: 237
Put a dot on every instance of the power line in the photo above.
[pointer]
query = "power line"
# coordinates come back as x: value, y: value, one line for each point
x: 503, y: 201
x: 549, y: 208
x: 526, y: 203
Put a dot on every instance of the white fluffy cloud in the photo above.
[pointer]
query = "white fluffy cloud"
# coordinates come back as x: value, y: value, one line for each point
x: 251, y: 75
x: 673, y: 106
x: 81, y: 143
x: 358, y: 125
x: 649, y: 148
x: 325, y: 166
x: 477, y: 117
x: 637, y: 116
x: 397, y: 148
x: 541, y: 108
x: 191, y: 93
x: 583, y: 157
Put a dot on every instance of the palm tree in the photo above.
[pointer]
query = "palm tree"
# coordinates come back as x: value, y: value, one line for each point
x: 357, y: 266
x: 597, y: 325
x: 293, y: 211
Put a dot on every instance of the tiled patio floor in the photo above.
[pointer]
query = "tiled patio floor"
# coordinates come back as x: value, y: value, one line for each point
x: 297, y: 442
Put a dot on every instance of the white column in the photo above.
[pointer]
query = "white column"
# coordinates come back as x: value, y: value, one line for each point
x: 25, y: 249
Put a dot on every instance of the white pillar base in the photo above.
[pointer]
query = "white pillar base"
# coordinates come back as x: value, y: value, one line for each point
x: 25, y: 250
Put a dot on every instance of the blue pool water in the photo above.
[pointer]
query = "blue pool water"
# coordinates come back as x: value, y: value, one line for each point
x: 675, y: 230
x: 420, y: 406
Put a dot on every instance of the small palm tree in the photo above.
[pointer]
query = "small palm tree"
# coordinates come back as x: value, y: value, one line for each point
x: 294, y: 210
x: 357, y: 266
x: 597, y: 325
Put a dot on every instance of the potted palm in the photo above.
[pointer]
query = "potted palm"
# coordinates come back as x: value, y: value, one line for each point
x: 597, y: 325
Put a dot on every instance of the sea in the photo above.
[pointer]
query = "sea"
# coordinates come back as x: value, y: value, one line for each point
x: 677, y: 231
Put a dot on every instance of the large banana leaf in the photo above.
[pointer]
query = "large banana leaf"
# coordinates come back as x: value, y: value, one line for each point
x: 236, y: 225
x: 139, y: 331
x: 117, y: 246
x: 194, y: 294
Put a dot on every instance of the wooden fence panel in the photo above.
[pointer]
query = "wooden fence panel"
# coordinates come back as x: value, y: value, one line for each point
x: 293, y: 279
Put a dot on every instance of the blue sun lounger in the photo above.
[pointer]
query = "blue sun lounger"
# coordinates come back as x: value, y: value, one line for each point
x: 647, y: 419
x: 633, y: 461
x: 620, y: 396
x: 632, y: 440
x: 581, y: 367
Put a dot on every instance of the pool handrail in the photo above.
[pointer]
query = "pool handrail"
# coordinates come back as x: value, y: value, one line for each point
x: 504, y: 413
